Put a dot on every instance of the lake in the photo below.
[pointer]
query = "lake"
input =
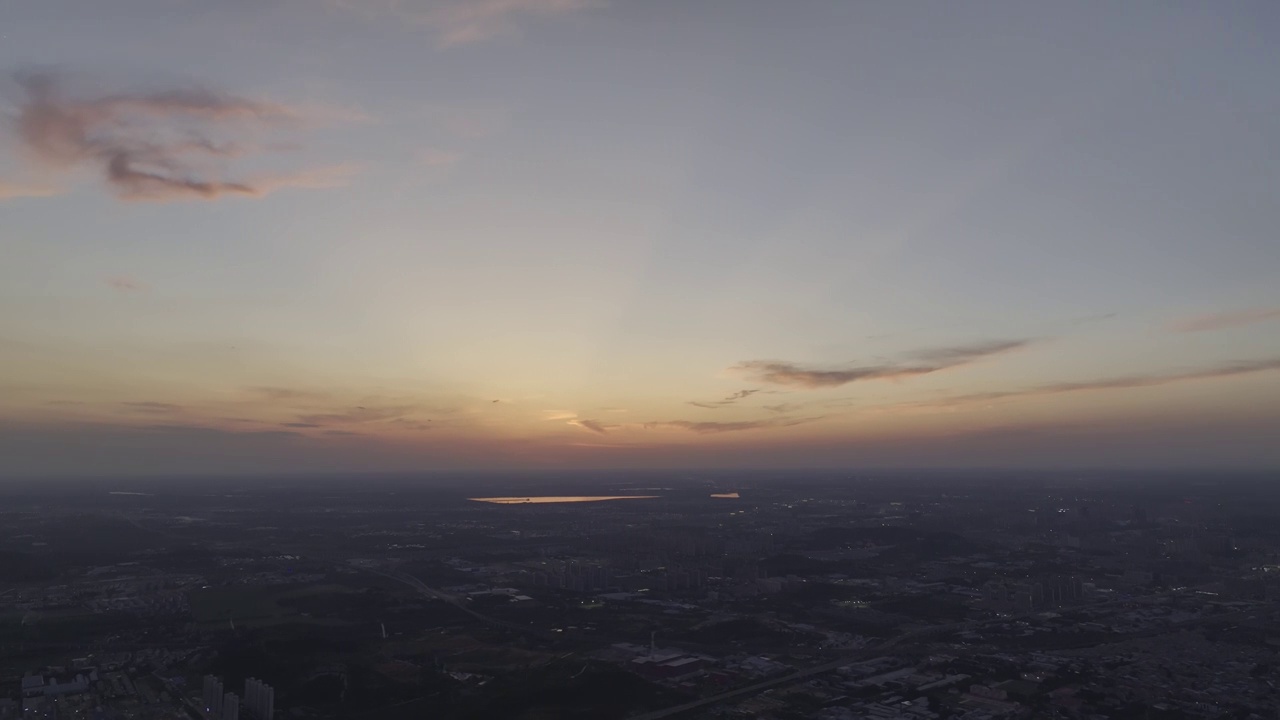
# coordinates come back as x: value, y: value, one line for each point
x: 538, y: 499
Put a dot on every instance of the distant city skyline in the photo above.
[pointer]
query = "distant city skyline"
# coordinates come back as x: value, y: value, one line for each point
x: 406, y: 235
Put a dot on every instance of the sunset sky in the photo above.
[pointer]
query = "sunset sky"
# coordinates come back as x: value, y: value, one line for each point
x: 395, y: 235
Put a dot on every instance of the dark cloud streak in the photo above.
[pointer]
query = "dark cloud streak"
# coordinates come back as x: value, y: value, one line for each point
x: 284, y: 393
x: 1118, y: 383
x: 708, y: 406
x: 708, y: 427
x: 357, y: 415
x: 594, y: 426
x: 948, y: 357
x: 731, y: 399
x: 152, y: 408
x: 149, y: 145
x: 922, y: 362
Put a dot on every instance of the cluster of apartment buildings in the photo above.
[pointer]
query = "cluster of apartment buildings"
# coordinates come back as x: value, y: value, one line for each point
x: 258, y: 700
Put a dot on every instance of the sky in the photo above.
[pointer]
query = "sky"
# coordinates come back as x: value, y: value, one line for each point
x: 259, y: 236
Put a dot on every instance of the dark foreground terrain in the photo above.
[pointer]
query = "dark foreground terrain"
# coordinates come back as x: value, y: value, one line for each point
x: 764, y: 595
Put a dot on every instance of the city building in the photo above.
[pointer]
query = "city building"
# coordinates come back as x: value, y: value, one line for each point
x: 212, y: 696
x: 259, y: 699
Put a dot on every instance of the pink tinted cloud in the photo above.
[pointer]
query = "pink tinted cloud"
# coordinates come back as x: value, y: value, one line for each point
x: 464, y: 22
x: 11, y: 190
x: 1221, y: 321
x: 594, y: 426
x: 469, y: 21
x: 165, y: 145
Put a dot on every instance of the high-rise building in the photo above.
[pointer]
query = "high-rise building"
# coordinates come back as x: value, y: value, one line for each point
x: 259, y: 699
x: 212, y: 696
x: 230, y: 707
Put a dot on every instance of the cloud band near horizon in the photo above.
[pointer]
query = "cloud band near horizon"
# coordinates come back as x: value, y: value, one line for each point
x: 921, y: 362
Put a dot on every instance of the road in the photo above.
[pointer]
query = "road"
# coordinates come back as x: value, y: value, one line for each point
x: 748, y: 690
x: 457, y: 602
x: 862, y: 654
x: 675, y: 710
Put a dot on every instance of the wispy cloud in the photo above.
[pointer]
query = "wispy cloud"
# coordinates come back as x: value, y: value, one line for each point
x: 1088, y: 319
x: 921, y: 362
x: 152, y: 408
x: 164, y: 145
x: 1117, y: 383
x: 571, y: 418
x: 707, y: 427
x: 12, y: 190
x: 783, y: 407
x: 409, y: 424
x: 594, y: 426
x: 314, y: 178
x: 731, y: 399
x: 464, y: 22
x: 125, y: 284
x: 1221, y: 321
x: 359, y: 414
x: 279, y: 394
x: 947, y: 357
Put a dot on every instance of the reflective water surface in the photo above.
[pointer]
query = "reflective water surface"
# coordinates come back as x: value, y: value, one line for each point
x: 559, y: 499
